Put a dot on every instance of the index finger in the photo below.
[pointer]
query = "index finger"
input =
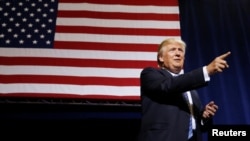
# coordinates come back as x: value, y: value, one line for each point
x: 225, y: 55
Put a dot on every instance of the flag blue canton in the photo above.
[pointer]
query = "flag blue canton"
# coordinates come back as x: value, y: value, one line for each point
x: 27, y: 23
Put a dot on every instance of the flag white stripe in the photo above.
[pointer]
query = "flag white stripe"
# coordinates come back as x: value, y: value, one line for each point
x: 118, y: 8
x: 78, y: 54
x: 70, y: 89
x: 70, y: 71
x: 78, y: 37
x: 92, y: 22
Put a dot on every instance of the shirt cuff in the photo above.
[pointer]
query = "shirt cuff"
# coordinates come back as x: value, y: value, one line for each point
x: 205, y: 73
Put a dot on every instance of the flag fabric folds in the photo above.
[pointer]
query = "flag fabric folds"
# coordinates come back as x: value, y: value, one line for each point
x: 90, y: 49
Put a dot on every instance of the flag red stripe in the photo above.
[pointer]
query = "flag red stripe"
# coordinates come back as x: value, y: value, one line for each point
x: 75, y: 62
x: 106, y: 46
x: 113, y: 15
x: 69, y: 80
x: 95, y: 97
x: 127, y: 2
x: 118, y: 31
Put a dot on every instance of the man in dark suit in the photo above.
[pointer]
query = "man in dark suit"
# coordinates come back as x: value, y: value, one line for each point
x: 171, y: 108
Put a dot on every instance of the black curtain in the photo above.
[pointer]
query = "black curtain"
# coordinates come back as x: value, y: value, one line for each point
x: 211, y: 28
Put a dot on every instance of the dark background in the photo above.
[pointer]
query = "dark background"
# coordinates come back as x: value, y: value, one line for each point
x: 32, y: 120
x: 211, y: 28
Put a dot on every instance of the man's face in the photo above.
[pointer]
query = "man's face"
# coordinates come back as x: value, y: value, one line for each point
x: 173, y: 57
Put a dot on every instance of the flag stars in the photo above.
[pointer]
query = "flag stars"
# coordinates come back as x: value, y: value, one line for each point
x: 7, y: 4
x: 27, y: 23
x: 34, y: 41
x: 13, y: 8
x: 23, y: 30
x: 11, y: 19
x: 6, y: 14
x: 19, y: 14
x: 51, y: 10
x: 36, y: 31
x: 28, y: 36
x: 48, y: 42
x: 42, y: 36
x: 45, y: 15
x: 1, y: 35
x: 49, y: 31
x: 50, y: 20
x: 26, y: 9
x: 24, y: 19
x: 20, y: 4
x: 17, y: 24
x: 32, y: 14
x: 21, y: 41
x: 7, y: 41
x: 9, y: 30
x: 30, y: 25
x: 3, y: 24
x: 37, y: 20
x: 15, y: 35
x: 43, y: 25
x: 33, y: 4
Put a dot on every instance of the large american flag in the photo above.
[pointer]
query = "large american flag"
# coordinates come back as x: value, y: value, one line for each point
x: 89, y: 49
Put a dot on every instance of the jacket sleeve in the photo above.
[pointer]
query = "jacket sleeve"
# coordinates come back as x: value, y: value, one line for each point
x: 160, y: 80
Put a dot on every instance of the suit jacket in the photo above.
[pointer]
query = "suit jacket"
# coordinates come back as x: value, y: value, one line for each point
x: 165, y: 113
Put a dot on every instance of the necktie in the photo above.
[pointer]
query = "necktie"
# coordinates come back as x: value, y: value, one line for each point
x: 190, y: 133
x: 190, y: 130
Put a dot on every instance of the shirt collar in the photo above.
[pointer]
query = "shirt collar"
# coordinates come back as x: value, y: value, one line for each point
x: 174, y: 74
